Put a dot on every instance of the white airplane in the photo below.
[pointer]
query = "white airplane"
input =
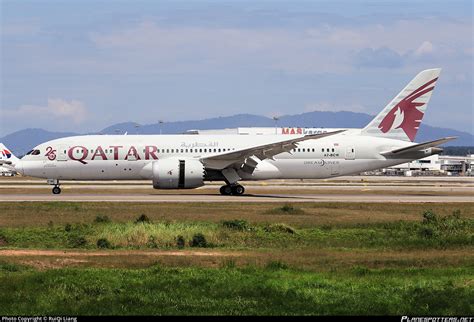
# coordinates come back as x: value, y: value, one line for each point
x: 187, y: 161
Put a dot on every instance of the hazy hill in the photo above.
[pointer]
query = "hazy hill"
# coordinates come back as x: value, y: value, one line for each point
x: 22, y: 141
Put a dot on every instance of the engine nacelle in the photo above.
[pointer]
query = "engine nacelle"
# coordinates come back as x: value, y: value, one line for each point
x: 174, y: 173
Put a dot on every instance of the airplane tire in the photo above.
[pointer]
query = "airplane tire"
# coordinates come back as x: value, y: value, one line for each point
x: 226, y: 190
x: 238, y: 190
x: 56, y: 190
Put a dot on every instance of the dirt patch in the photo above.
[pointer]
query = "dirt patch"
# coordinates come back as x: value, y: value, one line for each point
x: 310, y: 259
x: 63, y: 253
x: 51, y: 259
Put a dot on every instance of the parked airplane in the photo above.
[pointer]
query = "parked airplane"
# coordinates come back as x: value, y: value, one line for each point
x: 187, y: 161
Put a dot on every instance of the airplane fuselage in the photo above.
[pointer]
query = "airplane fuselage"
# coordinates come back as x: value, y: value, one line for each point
x: 130, y: 157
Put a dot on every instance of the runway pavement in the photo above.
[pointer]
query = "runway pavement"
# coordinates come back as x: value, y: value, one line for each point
x: 343, y: 189
x: 140, y: 198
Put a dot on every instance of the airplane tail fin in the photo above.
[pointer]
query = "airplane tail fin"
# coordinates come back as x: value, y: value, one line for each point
x: 6, y: 157
x: 401, y: 118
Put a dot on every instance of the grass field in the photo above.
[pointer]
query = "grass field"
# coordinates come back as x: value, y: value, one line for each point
x: 273, y: 290
x: 307, y: 258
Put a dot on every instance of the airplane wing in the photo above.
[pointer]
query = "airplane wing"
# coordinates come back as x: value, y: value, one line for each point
x: 417, y: 147
x: 266, y: 151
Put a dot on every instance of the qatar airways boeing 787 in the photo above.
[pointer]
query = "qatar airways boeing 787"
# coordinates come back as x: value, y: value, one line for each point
x: 187, y: 161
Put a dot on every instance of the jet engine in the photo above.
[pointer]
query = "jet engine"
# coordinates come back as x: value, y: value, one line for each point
x: 174, y: 173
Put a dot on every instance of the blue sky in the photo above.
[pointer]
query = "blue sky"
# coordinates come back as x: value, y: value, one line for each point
x: 84, y: 65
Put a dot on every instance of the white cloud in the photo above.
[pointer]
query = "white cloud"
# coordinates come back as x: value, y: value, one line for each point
x: 425, y: 48
x: 14, y: 30
x: 57, y: 109
x: 147, y: 46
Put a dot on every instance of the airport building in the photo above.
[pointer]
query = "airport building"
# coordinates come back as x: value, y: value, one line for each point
x: 434, y: 165
x: 264, y: 130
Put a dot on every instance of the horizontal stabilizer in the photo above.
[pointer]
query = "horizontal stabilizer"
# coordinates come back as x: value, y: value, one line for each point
x: 418, y: 147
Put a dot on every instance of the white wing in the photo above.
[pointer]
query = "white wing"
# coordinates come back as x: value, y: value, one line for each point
x: 267, y: 151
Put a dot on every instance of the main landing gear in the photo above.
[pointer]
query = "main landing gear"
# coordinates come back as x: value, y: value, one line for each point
x: 56, y: 190
x: 236, y: 190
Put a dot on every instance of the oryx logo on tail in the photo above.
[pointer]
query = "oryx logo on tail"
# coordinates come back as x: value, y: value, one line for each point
x: 406, y: 114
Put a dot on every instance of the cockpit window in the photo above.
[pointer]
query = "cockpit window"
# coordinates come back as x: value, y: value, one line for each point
x: 35, y: 152
x: 29, y: 152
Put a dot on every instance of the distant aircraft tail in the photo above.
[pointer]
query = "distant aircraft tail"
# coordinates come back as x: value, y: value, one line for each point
x: 6, y: 157
x: 401, y: 118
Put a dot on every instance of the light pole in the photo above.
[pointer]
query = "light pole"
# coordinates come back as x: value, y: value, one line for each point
x: 137, y: 126
x: 276, y: 118
x: 160, y: 122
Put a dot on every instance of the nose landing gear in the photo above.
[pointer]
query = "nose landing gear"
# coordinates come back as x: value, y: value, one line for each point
x: 235, y: 190
x: 56, y: 189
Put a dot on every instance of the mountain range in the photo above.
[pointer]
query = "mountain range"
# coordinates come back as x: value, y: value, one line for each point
x: 24, y: 140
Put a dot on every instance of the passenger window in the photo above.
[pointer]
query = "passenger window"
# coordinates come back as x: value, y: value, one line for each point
x: 205, y: 150
x: 313, y: 149
x: 322, y: 150
x: 327, y: 150
x: 182, y: 150
x: 200, y: 150
x: 333, y: 150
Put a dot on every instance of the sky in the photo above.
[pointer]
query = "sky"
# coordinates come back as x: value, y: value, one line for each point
x: 84, y: 65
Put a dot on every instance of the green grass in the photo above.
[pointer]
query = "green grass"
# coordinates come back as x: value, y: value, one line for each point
x: 34, y: 214
x: 439, y: 232
x: 273, y: 290
x: 312, y: 259
x: 286, y: 209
